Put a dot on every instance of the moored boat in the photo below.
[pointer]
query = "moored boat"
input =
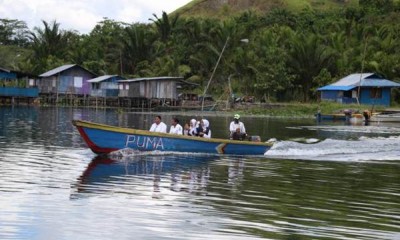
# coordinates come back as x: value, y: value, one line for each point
x: 354, y: 117
x: 102, y: 138
x: 385, y: 117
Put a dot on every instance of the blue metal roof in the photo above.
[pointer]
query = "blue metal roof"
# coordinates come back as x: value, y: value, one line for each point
x: 359, y: 79
x: 353, y: 79
x: 335, y: 88
x: 378, y: 83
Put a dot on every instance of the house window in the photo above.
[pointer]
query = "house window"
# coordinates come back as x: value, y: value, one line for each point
x: 31, y: 82
x: 376, y: 93
x: 121, y: 86
x: 127, y: 86
x: 78, y: 82
x: 347, y: 94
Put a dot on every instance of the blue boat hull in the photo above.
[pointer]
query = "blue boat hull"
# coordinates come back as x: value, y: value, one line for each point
x: 105, y: 139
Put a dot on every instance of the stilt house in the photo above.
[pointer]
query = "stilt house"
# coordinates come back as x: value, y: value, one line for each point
x: 363, y: 88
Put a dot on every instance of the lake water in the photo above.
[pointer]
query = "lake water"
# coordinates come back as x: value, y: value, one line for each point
x: 328, y: 181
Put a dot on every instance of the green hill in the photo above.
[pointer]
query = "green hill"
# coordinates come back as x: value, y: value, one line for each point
x: 225, y: 8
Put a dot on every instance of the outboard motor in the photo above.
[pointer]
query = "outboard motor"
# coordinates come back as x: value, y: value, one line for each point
x: 347, y: 114
x: 367, y: 116
x: 255, y: 138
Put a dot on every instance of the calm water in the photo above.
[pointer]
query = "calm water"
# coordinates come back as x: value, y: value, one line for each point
x: 329, y: 181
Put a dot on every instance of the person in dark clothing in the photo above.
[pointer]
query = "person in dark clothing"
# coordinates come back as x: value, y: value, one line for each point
x: 238, y: 135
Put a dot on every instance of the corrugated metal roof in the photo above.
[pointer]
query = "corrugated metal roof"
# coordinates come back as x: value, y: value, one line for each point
x: 352, y: 79
x: 151, y: 79
x: 360, y: 79
x: 336, y: 88
x: 101, y: 78
x: 56, y: 70
x: 378, y: 83
x: 4, y: 70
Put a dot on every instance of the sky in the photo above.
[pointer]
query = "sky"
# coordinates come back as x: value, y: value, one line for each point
x: 83, y: 15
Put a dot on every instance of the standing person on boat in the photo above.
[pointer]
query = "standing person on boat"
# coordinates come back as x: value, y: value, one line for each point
x: 193, y: 127
x: 235, y: 125
x: 158, y: 126
x: 175, y: 128
x: 204, y: 129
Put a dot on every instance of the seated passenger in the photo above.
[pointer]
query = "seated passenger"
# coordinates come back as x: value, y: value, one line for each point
x: 193, y: 128
x: 158, y: 126
x: 175, y: 128
x: 204, y: 129
x: 186, y: 129
x: 238, y: 135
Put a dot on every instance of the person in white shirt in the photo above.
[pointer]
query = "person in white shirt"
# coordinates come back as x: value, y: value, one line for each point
x: 175, y: 128
x: 158, y: 126
x: 237, y: 126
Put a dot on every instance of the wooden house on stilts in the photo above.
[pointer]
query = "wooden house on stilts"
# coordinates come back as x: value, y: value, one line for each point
x: 150, y: 91
x: 67, y: 82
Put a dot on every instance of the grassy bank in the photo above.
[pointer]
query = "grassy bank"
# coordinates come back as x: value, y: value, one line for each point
x: 306, y: 109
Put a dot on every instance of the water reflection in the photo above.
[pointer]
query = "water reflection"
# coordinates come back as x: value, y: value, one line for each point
x: 52, y: 185
x: 177, y: 173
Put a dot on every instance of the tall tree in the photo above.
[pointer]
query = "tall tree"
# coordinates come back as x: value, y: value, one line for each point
x: 50, y: 45
x: 308, y: 56
x: 137, y: 46
x: 165, y: 26
x: 13, y: 32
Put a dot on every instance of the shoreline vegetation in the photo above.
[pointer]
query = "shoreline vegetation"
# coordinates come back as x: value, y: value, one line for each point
x: 285, y: 110
x: 278, y: 53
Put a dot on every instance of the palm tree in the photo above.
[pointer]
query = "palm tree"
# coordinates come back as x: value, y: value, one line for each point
x: 308, y: 56
x: 49, y: 45
x: 137, y: 46
x: 164, y: 25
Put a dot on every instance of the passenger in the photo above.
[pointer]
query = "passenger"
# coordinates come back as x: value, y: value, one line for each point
x: 238, y: 135
x: 175, y: 128
x: 204, y: 129
x: 186, y: 129
x: 158, y: 126
x: 235, y: 125
x: 193, y: 127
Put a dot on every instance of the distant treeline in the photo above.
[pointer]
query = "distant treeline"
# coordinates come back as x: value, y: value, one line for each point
x: 280, y: 56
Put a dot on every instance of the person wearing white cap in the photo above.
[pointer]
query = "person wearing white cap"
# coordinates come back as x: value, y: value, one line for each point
x: 237, y: 126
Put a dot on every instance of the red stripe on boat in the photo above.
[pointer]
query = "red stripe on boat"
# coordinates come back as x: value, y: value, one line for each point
x: 91, y: 145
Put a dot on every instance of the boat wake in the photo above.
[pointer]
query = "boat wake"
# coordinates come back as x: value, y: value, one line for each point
x: 131, y: 154
x: 362, y: 149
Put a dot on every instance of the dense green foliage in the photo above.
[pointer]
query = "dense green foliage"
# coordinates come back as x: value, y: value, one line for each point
x: 287, y: 55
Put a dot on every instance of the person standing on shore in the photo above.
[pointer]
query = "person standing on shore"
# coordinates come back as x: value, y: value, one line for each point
x: 158, y: 126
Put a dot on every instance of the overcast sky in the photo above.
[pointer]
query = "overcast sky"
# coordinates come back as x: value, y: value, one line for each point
x: 82, y: 15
